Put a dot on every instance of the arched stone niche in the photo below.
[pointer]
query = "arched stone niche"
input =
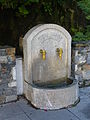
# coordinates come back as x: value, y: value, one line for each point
x: 48, y: 37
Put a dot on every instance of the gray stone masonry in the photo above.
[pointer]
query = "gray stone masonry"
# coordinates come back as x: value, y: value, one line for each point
x: 81, y: 63
x: 8, y: 91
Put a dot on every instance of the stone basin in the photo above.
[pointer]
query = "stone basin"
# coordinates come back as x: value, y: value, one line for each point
x: 54, y: 84
x: 52, y: 96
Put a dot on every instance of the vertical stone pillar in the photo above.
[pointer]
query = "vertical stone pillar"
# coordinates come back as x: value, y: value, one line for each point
x: 8, y: 89
x: 19, y: 76
x: 81, y: 63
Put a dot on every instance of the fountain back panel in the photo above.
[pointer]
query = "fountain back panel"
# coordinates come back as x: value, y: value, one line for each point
x: 47, y: 61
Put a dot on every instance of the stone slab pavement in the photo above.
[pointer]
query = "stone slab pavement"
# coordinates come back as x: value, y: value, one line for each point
x: 22, y: 110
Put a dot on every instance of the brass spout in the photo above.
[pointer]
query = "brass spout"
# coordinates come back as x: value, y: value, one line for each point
x: 43, y: 52
x: 59, y: 52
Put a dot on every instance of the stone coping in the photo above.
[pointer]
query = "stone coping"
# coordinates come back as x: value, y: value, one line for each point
x: 81, y: 43
x: 47, y: 88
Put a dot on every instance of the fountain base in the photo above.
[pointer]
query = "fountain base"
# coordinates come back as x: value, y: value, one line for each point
x: 51, y: 98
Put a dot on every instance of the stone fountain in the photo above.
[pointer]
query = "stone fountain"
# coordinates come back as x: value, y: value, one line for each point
x: 47, y: 67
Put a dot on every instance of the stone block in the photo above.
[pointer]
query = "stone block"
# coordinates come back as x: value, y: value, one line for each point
x: 2, y: 52
x: 86, y: 67
x: 76, y: 53
x: 12, y: 84
x: 88, y: 58
x: 11, y: 98
x: 11, y: 91
x: 10, y: 51
x: 11, y: 58
x: 2, y: 99
x: 78, y: 77
x: 1, y: 92
x: 7, y: 64
x: 3, y: 59
x: 86, y: 74
x: 0, y: 81
x: 76, y: 68
x: 13, y: 72
x: 80, y: 59
x: 3, y: 85
x: 87, y: 82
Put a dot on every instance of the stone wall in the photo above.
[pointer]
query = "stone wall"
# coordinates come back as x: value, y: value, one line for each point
x: 8, y: 90
x: 81, y: 62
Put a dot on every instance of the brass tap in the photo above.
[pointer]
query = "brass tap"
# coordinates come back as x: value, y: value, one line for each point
x: 43, y: 52
x: 59, y: 52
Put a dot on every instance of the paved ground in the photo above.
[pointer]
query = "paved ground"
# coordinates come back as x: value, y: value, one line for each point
x: 21, y: 110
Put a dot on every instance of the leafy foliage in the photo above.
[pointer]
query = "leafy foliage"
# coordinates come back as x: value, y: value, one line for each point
x: 20, y: 5
x: 85, y: 6
x: 9, y: 3
x: 79, y: 36
x: 23, y: 10
x: 56, y: 9
x: 88, y: 31
x: 85, y: 34
x: 82, y: 35
x: 47, y: 7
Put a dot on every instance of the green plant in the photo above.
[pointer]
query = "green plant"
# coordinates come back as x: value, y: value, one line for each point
x: 85, y: 6
x: 88, y: 31
x: 83, y: 34
x: 47, y: 7
x: 19, y: 5
x: 80, y: 36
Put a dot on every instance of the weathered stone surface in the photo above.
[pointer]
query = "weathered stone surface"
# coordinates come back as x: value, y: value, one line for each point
x: 3, y: 85
x: 88, y: 58
x: 48, y: 37
x: 78, y: 77
x: 2, y: 52
x: 13, y: 72
x: 11, y: 98
x: 2, y: 99
x: 10, y: 91
x: 81, y: 63
x: 86, y: 67
x: 80, y: 59
x: 86, y: 74
x: 52, y: 98
x: 7, y: 63
x: 10, y: 51
x: 87, y: 82
x: 3, y: 59
x: 12, y: 84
